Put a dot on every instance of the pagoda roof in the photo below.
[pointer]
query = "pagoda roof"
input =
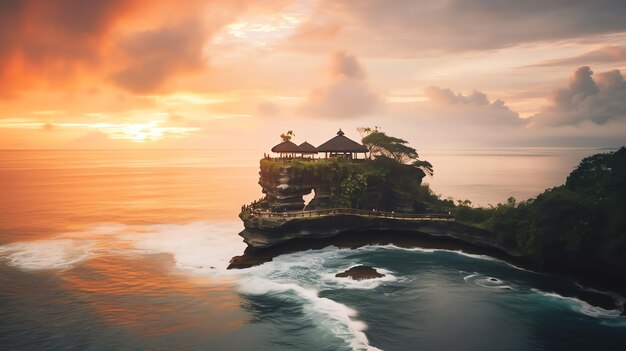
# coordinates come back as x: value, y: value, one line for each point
x: 286, y: 146
x: 307, y: 148
x: 341, y: 143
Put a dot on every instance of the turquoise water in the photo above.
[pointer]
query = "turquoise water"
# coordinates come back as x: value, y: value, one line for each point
x: 117, y: 250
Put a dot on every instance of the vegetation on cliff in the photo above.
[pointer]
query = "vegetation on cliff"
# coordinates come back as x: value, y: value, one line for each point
x: 379, y: 183
x: 580, y: 223
x: 380, y: 144
x: 390, y: 179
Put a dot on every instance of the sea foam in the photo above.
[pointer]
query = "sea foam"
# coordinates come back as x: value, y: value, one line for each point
x: 458, y: 252
x: 197, y: 246
x: 202, y: 248
x: 611, y: 317
x: 47, y: 254
x: 335, y: 317
x: 307, y: 273
x: 487, y: 282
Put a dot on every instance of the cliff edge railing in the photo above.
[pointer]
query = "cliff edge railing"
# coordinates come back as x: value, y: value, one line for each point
x: 313, y: 159
x: 355, y: 212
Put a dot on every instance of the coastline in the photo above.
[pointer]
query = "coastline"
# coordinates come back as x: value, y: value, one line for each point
x: 595, y: 290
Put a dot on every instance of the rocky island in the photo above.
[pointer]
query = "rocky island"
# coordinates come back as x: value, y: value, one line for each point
x: 361, y: 194
x: 375, y: 186
x: 372, y: 193
x: 360, y: 273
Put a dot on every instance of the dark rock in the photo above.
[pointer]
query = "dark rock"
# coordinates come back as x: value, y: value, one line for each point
x: 284, y: 187
x: 593, y: 298
x: 360, y: 273
x: 264, y: 232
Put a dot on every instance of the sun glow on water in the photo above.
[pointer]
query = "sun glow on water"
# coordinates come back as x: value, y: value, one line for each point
x: 143, y: 132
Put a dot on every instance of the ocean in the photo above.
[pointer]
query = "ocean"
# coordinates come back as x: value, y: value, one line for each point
x: 127, y: 250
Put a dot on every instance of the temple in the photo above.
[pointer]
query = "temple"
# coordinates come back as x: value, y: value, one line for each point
x: 339, y: 146
x: 337, y: 187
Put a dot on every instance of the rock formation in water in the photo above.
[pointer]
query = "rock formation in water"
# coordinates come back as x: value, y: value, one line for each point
x: 360, y: 273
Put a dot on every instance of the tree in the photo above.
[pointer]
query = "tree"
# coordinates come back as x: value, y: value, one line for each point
x: 353, y: 191
x: 380, y: 144
x: 364, y: 132
x: 425, y: 166
x: 287, y: 136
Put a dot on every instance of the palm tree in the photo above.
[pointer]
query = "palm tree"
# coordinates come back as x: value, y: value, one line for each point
x: 287, y: 136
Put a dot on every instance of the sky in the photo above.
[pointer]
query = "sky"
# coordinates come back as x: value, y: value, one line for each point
x: 230, y: 74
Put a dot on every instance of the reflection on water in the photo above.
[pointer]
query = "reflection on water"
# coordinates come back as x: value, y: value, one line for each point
x: 138, y: 294
x: 48, y: 192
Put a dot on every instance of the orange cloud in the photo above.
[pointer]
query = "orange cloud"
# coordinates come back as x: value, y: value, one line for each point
x: 48, y: 42
x: 139, y: 44
x: 153, y: 56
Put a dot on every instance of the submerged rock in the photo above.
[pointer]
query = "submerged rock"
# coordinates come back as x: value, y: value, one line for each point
x: 360, y: 273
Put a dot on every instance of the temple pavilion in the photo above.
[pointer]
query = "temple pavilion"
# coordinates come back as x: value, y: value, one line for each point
x: 287, y: 149
x: 307, y: 150
x: 339, y: 146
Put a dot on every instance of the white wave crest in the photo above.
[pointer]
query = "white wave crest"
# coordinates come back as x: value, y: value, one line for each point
x: 458, y: 252
x: 202, y: 248
x: 47, y: 254
x: 582, y: 306
x: 338, y: 318
x: 197, y: 246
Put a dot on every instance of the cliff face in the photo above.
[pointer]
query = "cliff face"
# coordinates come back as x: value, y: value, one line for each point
x: 284, y: 186
x: 266, y: 232
x: 381, y: 184
x: 375, y: 184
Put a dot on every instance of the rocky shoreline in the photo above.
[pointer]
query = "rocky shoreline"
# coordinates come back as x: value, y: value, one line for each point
x: 412, y: 239
x: 262, y: 232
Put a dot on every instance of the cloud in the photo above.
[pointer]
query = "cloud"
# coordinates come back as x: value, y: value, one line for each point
x: 347, y: 95
x: 604, y: 54
x: 175, y: 118
x: 415, y: 28
x: 267, y: 109
x: 49, y: 41
x: 474, y: 108
x: 154, y: 56
x: 585, y: 99
x: 139, y: 44
x: 317, y: 31
x: 345, y: 66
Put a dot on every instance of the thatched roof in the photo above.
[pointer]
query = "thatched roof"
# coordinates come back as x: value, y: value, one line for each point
x: 286, y: 146
x: 341, y: 143
x: 307, y: 148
